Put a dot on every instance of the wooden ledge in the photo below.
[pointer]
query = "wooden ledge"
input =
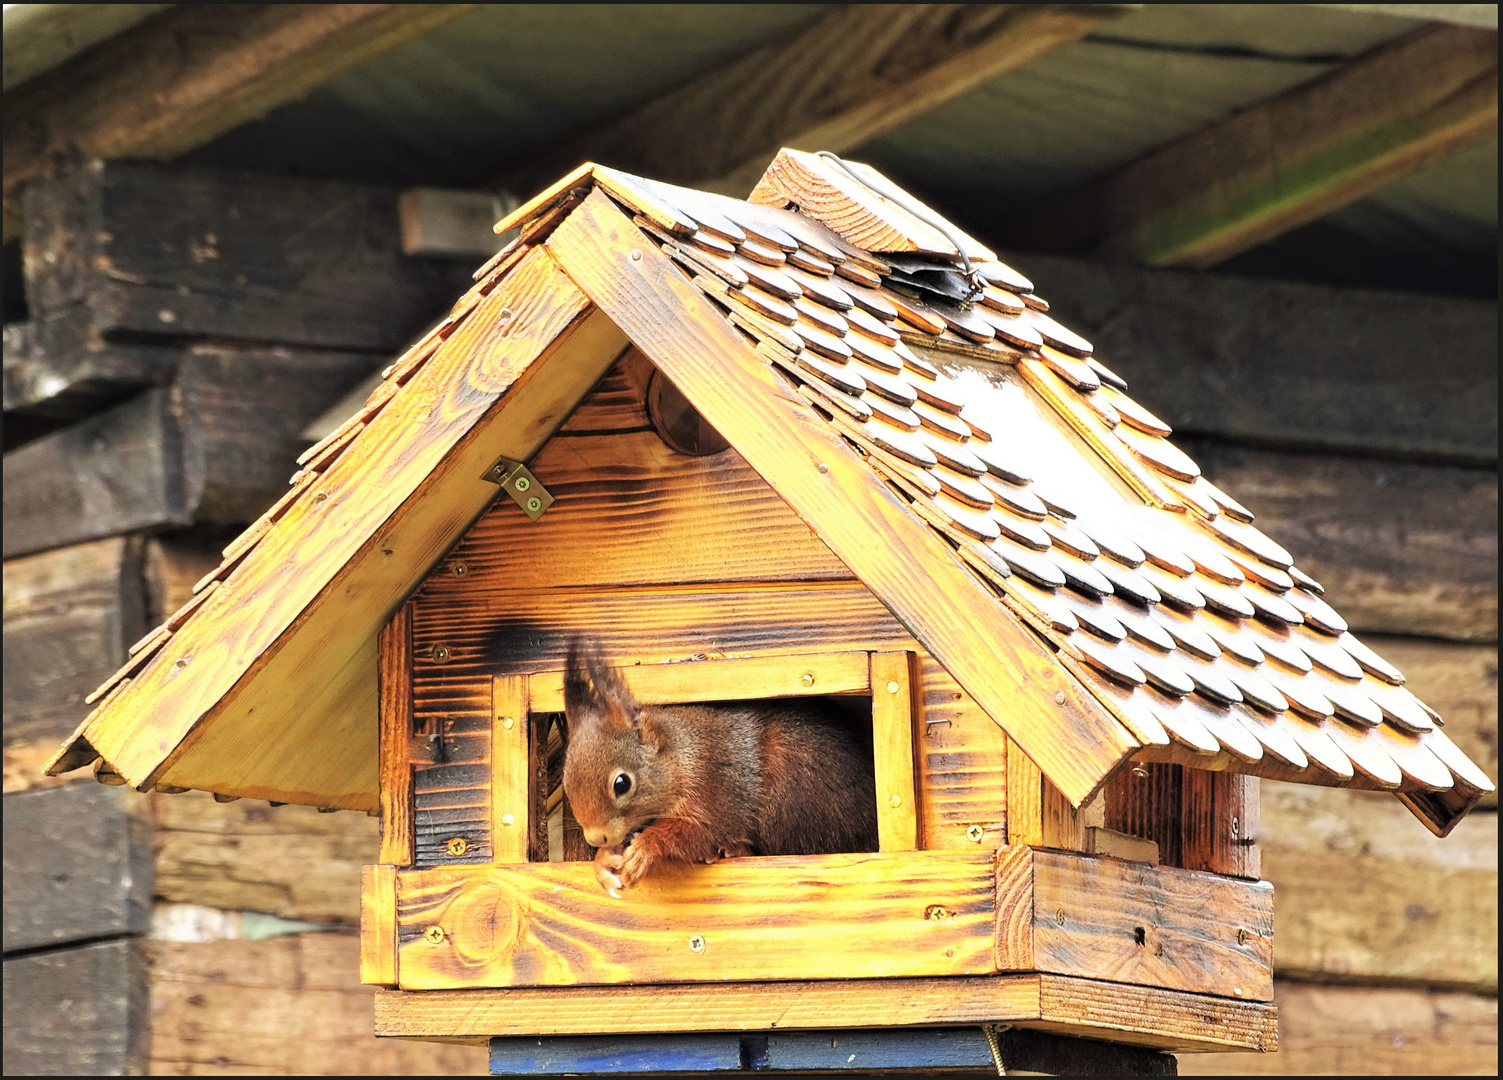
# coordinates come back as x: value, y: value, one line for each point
x: 1088, y: 1008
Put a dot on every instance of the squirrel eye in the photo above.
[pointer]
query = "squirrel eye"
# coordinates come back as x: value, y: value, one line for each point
x: 621, y: 785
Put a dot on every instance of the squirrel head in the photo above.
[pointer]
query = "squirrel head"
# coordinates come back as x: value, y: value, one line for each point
x: 616, y: 774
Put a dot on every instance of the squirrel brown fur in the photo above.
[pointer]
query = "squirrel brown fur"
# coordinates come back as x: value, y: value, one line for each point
x: 695, y: 783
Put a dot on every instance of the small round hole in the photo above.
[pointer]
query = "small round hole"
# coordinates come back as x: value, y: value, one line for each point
x: 678, y: 423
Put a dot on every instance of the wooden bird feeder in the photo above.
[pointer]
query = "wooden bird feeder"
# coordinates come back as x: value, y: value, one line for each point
x: 817, y: 443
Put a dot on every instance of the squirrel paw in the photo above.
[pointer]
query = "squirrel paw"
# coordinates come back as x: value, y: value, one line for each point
x: 635, y: 863
x: 608, y: 869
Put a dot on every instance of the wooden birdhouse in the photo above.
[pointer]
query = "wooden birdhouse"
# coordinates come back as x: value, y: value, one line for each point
x: 816, y: 444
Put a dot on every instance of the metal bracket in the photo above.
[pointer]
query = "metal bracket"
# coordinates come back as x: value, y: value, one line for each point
x: 521, y: 485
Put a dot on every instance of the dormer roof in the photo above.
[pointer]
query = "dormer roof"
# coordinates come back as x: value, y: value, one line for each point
x: 968, y: 458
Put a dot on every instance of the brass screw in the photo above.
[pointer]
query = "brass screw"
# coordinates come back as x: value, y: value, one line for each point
x: 1140, y: 772
x: 1059, y: 917
x: 434, y: 935
x: 441, y: 654
x: 896, y: 800
x: 892, y: 688
x: 507, y: 819
x: 522, y: 483
x: 975, y: 833
x: 457, y: 846
x: 508, y: 723
x: 1241, y: 937
x: 534, y: 504
x: 459, y: 569
x: 938, y: 913
x: 696, y: 944
x: 1236, y: 826
x: 807, y: 678
x: 503, y: 315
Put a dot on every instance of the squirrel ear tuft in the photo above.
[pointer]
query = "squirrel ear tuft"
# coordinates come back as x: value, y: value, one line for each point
x: 592, y: 686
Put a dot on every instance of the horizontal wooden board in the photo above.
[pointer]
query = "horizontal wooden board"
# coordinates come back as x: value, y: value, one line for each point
x: 1401, y: 548
x: 1133, y: 923
x: 76, y: 1012
x: 1164, y: 1019
x: 1365, y: 892
x: 289, y: 861
x: 524, y: 631
x: 794, y: 675
x: 1368, y: 1031
x: 1284, y: 363
x: 77, y: 865
x: 70, y: 615
x: 57, y: 367
x: 790, y: 917
x: 286, y: 1006
x: 170, y: 252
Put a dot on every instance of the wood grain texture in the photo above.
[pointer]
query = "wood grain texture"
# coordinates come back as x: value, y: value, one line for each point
x: 174, y: 83
x: 378, y: 925
x: 430, y: 446
x: 787, y: 917
x: 1368, y: 1031
x: 288, y: 861
x: 77, y: 866
x: 1366, y: 893
x: 394, y: 670
x: 1219, y: 820
x: 847, y: 78
x: 1227, y: 357
x: 892, y: 689
x: 285, y: 1006
x: 57, y: 368
x: 511, y: 770
x: 961, y: 760
x: 995, y: 659
x: 1025, y: 799
x: 1132, y: 923
x: 76, y: 1012
x: 452, y: 797
x: 1164, y: 1019
x: 1288, y: 160
x: 69, y: 616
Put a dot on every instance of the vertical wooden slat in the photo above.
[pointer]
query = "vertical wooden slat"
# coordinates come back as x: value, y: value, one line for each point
x: 1218, y: 816
x: 961, y: 764
x: 1025, y: 807
x: 892, y: 750
x: 394, y: 675
x: 1150, y: 805
x: 511, y: 772
x: 378, y: 925
x: 1063, y: 826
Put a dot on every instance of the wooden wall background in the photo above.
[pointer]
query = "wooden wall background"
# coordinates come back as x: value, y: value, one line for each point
x: 174, y: 934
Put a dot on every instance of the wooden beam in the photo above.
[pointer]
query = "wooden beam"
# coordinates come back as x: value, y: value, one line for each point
x: 1288, y: 160
x: 176, y: 82
x: 77, y: 1012
x: 859, y: 72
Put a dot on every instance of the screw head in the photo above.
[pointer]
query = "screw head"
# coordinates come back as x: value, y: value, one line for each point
x: 459, y: 569
x: 503, y: 314
x: 434, y: 935
x: 807, y: 678
x: 696, y: 943
x: 892, y: 688
x: 975, y: 833
x: 1236, y: 826
x: 534, y: 504
x: 441, y: 654
x: 823, y: 467
x: 1241, y: 937
x: 1059, y: 698
x: 508, y: 723
x: 1059, y: 917
x: 508, y: 820
x: 1141, y: 772
x: 522, y: 483
x: 457, y: 846
x: 895, y: 800
x: 635, y: 256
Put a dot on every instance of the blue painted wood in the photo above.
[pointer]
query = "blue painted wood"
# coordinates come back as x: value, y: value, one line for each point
x: 863, y: 1051
x: 628, y: 1055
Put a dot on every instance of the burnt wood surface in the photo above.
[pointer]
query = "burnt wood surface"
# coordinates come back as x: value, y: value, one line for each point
x: 216, y: 446
x: 77, y: 866
x: 77, y: 1012
x: 58, y: 367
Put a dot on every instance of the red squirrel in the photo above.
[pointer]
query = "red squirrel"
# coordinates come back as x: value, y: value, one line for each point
x: 696, y: 783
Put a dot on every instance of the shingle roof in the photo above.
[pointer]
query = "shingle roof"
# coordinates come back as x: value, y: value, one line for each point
x: 1002, y: 431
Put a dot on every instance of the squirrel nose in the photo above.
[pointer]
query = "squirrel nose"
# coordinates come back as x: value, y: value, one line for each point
x: 595, y: 839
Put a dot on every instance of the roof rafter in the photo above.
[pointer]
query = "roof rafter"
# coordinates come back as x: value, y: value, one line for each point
x: 179, y: 80
x: 855, y: 74
x: 1282, y: 163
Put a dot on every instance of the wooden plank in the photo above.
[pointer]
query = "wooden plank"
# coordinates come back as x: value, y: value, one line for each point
x: 1288, y: 160
x: 57, y: 369
x: 526, y: 632
x: 787, y: 917
x: 394, y: 670
x: 1005, y: 669
x: 1131, y: 923
x: 114, y: 473
x: 1220, y: 823
x: 1225, y: 356
x: 77, y: 865
x: 284, y: 1006
x: 1366, y: 892
x: 511, y: 770
x: 962, y: 766
x: 76, y: 1012
x: 378, y: 925
x: 892, y: 690
x: 453, y: 793
x: 288, y: 861
x: 1400, y: 548
x: 842, y: 81
x: 1138, y: 1015
x: 69, y: 617
x: 743, y: 678
x: 1025, y: 799
x: 314, y: 688
x: 174, y: 83
x: 1147, y: 801
x: 1369, y: 1031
